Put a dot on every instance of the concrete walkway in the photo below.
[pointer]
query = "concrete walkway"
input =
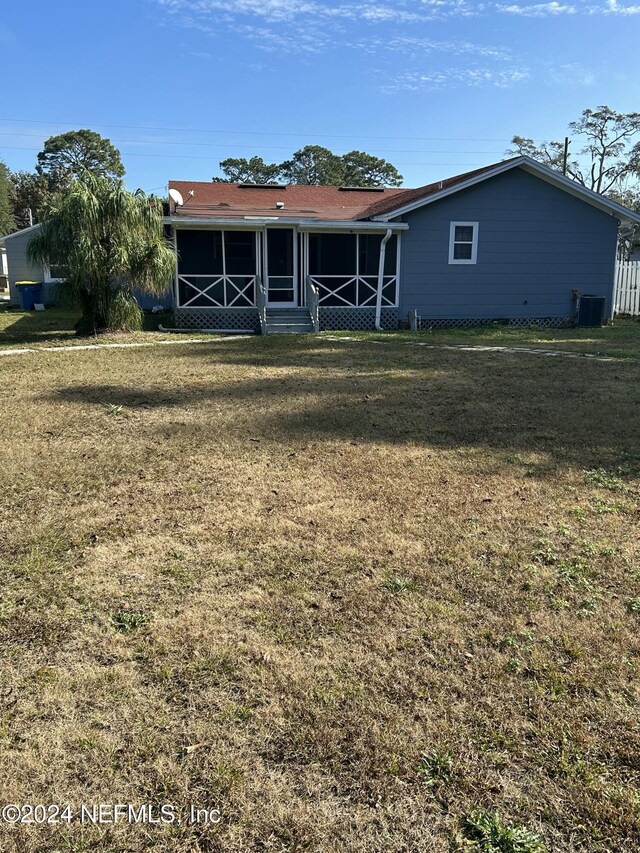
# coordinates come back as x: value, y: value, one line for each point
x: 478, y: 348
x: 547, y: 353
x: 80, y: 347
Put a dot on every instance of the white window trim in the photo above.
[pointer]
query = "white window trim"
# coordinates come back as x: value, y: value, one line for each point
x: 474, y: 246
x: 47, y: 277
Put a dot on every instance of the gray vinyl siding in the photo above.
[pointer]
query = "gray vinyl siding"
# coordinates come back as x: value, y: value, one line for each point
x: 536, y: 243
x: 19, y: 268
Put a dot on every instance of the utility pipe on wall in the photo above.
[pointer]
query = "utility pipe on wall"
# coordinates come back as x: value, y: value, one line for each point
x: 383, y: 252
x: 162, y: 328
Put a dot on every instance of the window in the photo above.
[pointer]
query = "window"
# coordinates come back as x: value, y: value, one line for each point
x: 463, y: 243
x: 54, y: 273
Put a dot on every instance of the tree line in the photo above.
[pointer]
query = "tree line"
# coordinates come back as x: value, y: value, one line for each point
x: 25, y: 195
x: 316, y: 166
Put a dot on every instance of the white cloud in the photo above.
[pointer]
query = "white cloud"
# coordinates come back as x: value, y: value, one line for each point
x: 383, y: 11
x: 555, y: 8
x: 275, y: 10
x: 292, y: 10
x: 571, y: 74
x: 397, y: 36
x: 614, y: 8
x: 447, y: 77
x: 460, y: 48
x: 300, y: 40
x: 308, y: 26
x: 538, y: 10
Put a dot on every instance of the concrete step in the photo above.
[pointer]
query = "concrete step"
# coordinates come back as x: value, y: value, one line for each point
x: 287, y: 328
x: 288, y: 321
x: 289, y: 315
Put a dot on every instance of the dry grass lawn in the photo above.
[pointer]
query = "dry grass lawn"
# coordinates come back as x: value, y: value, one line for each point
x: 348, y: 594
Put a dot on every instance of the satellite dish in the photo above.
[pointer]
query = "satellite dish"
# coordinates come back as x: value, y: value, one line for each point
x: 177, y: 197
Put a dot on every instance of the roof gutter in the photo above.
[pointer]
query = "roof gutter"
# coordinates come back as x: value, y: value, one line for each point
x: 162, y: 328
x: 304, y: 225
x: 353, y: 226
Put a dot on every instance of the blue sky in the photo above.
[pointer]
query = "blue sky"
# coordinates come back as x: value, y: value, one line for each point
x: 435, y: 86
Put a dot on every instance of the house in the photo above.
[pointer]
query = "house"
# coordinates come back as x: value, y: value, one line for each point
x: 513, y: 240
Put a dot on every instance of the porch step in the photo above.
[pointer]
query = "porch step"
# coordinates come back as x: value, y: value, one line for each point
x: 290, y: 313
x: 287, y: 328
x: 288, y: 321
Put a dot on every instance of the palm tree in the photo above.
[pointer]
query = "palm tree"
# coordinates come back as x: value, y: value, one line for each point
x: 109, y: 241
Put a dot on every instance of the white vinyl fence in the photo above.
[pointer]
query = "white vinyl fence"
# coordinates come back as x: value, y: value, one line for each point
x: 628, y: 288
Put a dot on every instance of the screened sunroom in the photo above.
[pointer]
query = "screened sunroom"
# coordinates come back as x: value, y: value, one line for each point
x: 226, y: 275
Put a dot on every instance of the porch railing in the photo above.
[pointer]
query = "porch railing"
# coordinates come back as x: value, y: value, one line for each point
x: 354, y: 291
x: 221, y: 291
x: 261, y: 303
x: 313, y: 303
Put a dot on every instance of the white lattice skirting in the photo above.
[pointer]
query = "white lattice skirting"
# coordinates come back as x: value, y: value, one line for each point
x: 356, y: 319
x: 333, y: 318
x: 521, y: 322
x: 241, y: 319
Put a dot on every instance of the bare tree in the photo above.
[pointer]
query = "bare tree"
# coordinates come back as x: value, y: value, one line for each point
x: 610, y: 154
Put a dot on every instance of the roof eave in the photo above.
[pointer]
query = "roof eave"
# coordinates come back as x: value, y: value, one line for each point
x: 18, y: 233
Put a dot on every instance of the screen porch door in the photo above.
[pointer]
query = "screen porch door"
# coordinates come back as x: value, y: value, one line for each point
x: 282, y: 267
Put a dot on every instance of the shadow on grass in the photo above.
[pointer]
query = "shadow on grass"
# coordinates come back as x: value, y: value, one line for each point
x: 56, y: 324
x: 29, y: 327
x: 305, y: 389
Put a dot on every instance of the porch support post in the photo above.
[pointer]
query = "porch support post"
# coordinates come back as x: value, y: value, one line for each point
x: 175, y: 274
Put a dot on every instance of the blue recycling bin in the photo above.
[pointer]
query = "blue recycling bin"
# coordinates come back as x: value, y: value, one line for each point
x: 29, y: 293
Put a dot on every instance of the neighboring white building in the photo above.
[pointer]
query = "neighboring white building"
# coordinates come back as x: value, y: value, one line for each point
x: 18, y: 267
x: 13, y: 249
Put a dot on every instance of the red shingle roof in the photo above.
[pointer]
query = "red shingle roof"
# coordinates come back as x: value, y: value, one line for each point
x: 300, y: 201
x: 304, y: 202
